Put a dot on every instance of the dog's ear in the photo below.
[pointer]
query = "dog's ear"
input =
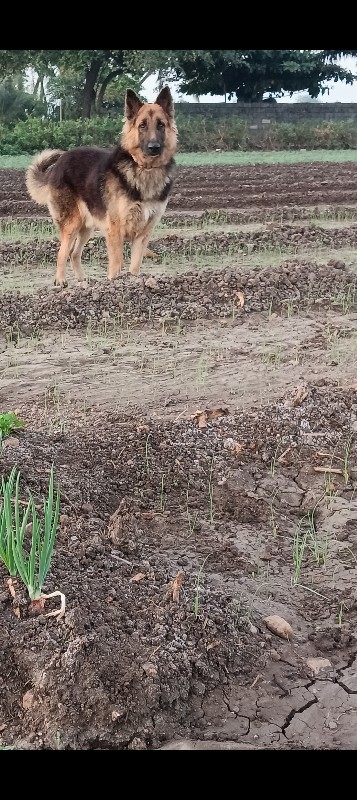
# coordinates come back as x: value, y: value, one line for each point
x: 164, y: 99
x: 132, y: 104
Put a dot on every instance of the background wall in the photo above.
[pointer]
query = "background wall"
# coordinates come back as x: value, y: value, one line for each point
x: 261, y: 115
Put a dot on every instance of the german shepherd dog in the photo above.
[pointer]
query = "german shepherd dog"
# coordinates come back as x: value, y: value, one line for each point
x: 123, y: 191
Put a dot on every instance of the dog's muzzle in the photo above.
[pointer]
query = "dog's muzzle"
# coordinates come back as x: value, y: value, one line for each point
x: 153, y: 148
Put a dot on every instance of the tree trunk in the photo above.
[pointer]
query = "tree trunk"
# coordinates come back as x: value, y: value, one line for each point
x: 110, y: 77
x: 89, y: 88
x: 42, y: 91
x: 145, y: 77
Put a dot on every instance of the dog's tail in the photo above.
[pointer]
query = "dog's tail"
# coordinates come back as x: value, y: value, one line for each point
x: 37, y: 175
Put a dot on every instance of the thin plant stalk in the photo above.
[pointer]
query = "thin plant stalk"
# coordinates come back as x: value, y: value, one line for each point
x: 7, y: 522
x: 196, y: 604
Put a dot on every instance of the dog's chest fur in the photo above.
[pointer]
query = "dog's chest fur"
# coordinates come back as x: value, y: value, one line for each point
x: 146, y: 184
x: 137, y: 195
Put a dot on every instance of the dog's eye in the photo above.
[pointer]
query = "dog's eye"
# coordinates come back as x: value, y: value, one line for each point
x: 160, y: 123
x: 142, y: 125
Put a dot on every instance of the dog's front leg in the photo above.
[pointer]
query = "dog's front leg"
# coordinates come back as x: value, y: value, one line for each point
x: 115, y: 243
x: 139, y: 246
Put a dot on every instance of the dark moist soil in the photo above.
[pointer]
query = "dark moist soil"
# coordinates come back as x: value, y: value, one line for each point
x: 257, y: 185
x: 189, y: 296
x: 199, y: 218
x: 286, y: 238
x: 128, y: 667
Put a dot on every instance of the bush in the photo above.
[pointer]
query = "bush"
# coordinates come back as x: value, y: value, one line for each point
x: 196, y: 134
x: 199, y: 133
x: 325, y: 135
x: 34, y: 135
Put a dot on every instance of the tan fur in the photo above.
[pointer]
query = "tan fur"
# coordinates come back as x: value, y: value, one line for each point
x: 124, y: 219
x: 39, y: 192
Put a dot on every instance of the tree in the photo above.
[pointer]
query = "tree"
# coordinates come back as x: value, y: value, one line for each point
x: 16, y: 104
x: 249, y: 74
x: 331, y: 55
x: 85, y: 75
x: 15, y: 62
x: 81, y: 77
x: 12, y: 62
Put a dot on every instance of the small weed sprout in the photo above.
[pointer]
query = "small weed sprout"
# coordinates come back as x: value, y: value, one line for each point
x: 147, y: 455
x: 346, y: 460
x: 162, y: 495
x: 340, y: 615
x: 191, y: 519
x: 210, y: 491
x: 299, y: 545
x: 196, y: 603
x: 273, y: 462
x: 273, y: 523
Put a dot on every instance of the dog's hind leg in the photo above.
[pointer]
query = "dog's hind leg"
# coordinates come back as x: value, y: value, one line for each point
x: 69, y: 230
x: 76, y: 252
x: 62, y: 258
x: 150, y: 253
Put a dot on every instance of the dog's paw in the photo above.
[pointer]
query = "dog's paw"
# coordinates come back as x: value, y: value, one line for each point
x: 60, y: 284
x: 150, y: 254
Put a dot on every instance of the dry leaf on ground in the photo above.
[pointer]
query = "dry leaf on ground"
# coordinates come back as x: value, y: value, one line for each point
x: 215, y: 643
x: 11, y: 441
x: 138, y: 577
x: 176, y: 586
x: 239, y: 296
x: 27, y: 700
x: 237, y: 448
x: 329, y: 469
x: 202, y: 417
x: 297, y: 396
x: 281, y: 459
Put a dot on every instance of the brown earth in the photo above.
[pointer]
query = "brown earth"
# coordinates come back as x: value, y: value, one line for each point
x: 222, y: 187
x: 287, y: 238
x: 255, y: 511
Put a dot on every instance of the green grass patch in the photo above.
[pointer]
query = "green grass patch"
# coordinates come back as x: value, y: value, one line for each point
x: 15, y: 162
x: 230, y: 158
x: 271, y: 157
x: 26, y: 230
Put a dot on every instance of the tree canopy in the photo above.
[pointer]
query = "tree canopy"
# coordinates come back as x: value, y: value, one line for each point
x: 89, y: 81
x: 249, y: 74
x: 82, y: 75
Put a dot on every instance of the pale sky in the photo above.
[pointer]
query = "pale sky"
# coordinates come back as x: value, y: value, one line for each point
x: 339, y: 92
